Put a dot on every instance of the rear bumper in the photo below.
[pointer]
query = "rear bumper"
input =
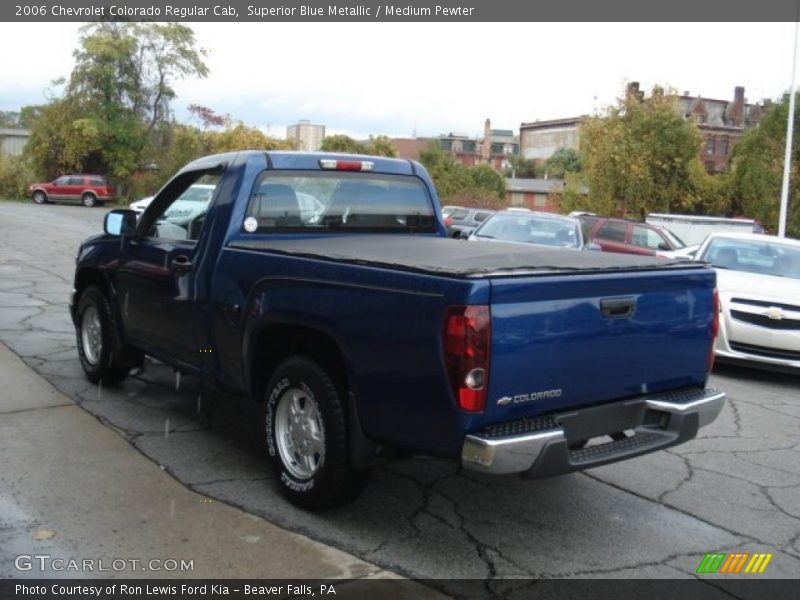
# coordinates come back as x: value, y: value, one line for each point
x: 552, y: 445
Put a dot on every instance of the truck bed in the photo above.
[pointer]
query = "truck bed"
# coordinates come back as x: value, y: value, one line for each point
x: 456, y: 258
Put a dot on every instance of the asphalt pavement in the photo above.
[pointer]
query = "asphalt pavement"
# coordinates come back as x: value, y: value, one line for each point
x: 735, y: 488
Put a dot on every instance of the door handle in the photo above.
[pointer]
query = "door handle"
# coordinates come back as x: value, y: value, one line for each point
x: 617, y: 308
x: 181, y: 264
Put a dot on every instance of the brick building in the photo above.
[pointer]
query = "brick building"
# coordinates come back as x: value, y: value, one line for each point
x: 721, y: 124
x: 494, y: 148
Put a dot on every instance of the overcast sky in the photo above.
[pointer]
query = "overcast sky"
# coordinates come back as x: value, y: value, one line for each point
x: 432, y: 78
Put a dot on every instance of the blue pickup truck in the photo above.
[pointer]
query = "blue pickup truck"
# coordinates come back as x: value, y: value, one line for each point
x: 324, y: 287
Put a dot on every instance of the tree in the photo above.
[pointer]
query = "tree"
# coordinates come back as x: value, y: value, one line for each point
x: 755, y: 175
x: 642, y: 156
x: 114, y: 115
x: 478, y: 186
x: 341, y: 143
x: 381, y: 146
x: 521, y: 167
x: 564, y: 160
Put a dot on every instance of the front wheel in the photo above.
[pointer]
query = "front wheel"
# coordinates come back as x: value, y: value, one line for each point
x: 306, y: 436
x: 94, y: 332
x: 39, y: 197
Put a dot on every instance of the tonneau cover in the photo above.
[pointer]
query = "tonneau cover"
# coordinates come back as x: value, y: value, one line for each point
x: 456, y: 258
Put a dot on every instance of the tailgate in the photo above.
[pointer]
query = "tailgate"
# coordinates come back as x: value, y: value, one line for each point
x: 560, y: 342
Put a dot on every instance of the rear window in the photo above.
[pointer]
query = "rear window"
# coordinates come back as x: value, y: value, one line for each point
x: 316, y: 201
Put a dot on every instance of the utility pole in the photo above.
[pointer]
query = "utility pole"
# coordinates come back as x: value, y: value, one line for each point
x: 787, y: 160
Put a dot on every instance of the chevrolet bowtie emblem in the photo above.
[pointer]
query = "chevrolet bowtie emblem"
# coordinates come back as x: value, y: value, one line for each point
x: 775, y: 312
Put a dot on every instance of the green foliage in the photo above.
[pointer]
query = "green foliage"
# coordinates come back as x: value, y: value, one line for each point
x: 642, y: 156
x: 15, y: 176
x: 381, y: 146
x: 478, y: 186
x: 521, y: 167
x: 756, y: 170
x: 375, y: 146
x: 564, y: 160
x: 342, y: 143
x: 114, y: 115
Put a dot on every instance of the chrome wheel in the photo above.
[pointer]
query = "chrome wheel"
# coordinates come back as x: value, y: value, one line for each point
x: 39, y: 197
x: 299, y: 433
x: 91, y: 335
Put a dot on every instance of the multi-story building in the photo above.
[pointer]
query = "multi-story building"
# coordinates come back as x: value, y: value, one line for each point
x: 306, y: 135
x: 494, y: 148
x: 721, y: 124
x: 540, y: 139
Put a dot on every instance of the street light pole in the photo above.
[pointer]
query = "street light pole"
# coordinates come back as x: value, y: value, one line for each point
x: 787, y: 160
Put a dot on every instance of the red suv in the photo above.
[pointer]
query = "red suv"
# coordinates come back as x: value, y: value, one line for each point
x: 89, y: 190
x: 628, y: 237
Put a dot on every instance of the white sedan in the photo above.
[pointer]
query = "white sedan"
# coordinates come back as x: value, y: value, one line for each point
x: 758, y: 278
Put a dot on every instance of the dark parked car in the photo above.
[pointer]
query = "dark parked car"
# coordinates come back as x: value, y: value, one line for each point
x: 89, y: 190
x: 629, y: 237
x: 461, y: 221
x: 544, y: 229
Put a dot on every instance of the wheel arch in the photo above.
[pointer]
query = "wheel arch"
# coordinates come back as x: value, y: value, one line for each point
x: 276, y: 341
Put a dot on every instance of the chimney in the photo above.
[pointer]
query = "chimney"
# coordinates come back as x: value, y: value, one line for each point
x: 737, y: 108
x: 486, y: 148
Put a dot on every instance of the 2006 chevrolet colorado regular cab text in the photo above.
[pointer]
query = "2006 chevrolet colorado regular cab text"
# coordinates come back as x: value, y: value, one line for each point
x: 324, y: 286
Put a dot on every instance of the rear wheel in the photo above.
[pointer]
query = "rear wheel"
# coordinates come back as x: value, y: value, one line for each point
x: 306, y: 436
x: 89, y: 200
x: 95, y: 339
x: 39, y: 197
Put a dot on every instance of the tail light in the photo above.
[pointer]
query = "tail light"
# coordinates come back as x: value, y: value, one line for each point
x: 467, y: 340
x: 346, y: 165
x: 448, y: 220
x: 715, y: 307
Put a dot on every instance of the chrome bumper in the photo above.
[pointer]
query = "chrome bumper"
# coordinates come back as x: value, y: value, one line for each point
x: 658, y: 421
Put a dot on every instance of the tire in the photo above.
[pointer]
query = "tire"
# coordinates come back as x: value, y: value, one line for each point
x: 96, y: 339
x: 306, y: 436
x: 39, y: 197
x: 89, y: 200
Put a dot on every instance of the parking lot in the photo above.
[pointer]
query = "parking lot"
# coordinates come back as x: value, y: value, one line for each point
x: 735, y: 488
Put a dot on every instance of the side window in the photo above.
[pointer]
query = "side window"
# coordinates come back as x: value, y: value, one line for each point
x: 97, y: 181
x: 459, y: 214
x: 183, y: 218
x: 480, y: 217
x: 644, y: 237
x: 61, y: 181
x: 613, y: 231
x: 75, y: 181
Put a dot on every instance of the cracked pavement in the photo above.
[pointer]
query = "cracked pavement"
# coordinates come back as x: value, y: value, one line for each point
x: 735, y: 488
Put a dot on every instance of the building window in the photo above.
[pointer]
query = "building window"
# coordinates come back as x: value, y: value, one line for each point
x: 540, y: 200
x: 710, y: 167
x: 517, y: 199
x: 710, y: 145
x: 723, y: 146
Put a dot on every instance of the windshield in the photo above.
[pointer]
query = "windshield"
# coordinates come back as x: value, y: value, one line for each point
x: 676, y: 241
x: 766, y: 257
x: 531, y: 229
x: 317, y: 201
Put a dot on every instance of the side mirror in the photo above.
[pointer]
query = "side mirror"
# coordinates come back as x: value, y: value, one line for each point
x: 664, y: 246
x: 465, y: 233
x: 120, y: 222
